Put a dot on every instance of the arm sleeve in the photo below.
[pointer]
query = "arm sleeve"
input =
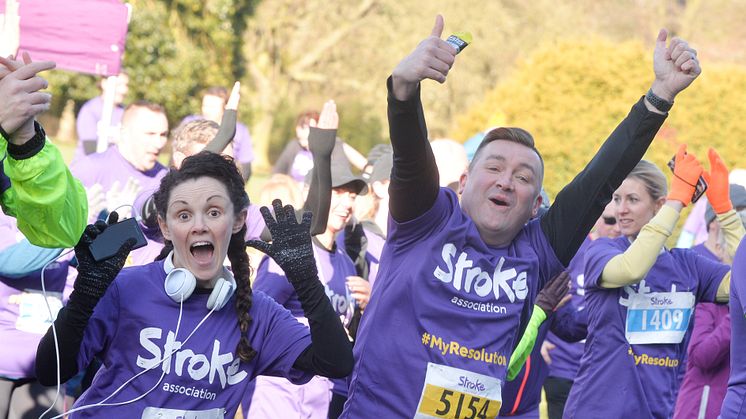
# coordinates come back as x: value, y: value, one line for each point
x: 710, y: 338
x: 70, y: 325
x: 632, y: 265
x: 245, y: 171
x: 414, y: 175
x: 569, y: 324
x: 330, y: 352
x: 582, y: 201
x: 24, y: 258
x: 225, y: 134
x: 526, y: 344
x: 48, y: 202
x: 320, y: 191
x: 733, y: 230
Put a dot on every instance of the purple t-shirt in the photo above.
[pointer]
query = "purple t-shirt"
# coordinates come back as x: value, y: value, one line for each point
x: 110, y: 166
x: 87, y: 122
x: 566, y: 356
x: 638, y: 380
x: 243, y: 150
x: 134, y: 324
x: 734, y: 405
x: 334, y: 267
x: 444, y: 314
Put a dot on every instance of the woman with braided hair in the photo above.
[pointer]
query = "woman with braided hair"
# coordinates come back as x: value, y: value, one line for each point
x: 171, y: 345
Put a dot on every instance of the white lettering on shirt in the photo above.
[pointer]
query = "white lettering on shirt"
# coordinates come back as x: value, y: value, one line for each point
x: 464, y: 275
x: 198, y: 366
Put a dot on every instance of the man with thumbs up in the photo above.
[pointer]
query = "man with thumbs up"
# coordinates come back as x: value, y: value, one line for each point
x: 457, y: 280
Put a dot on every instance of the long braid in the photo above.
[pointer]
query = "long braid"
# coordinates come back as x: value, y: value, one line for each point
x: 167, y: 248
x: 241, y: 272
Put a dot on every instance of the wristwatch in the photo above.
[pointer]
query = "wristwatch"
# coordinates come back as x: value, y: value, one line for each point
x: 658, y: 103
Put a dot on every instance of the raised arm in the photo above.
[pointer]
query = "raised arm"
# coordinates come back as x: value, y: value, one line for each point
x: 414, y: 176
x: 228, y: 124
x: 321, y: 141
x: 580, y: 203
x: 330, y: 352
x: 634, y: 263
x: 49, y: 204
x: 92, y: 282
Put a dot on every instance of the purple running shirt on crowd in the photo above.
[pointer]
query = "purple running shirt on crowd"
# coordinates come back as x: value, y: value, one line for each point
x: 707, y: 366
x: 110, y: 166
x: 566, y: 356
x: 436, y: 273
x: 734, y: 405
x: 24, y: 317
x: 88, y: 119
x: 243, y: 150
x: 134, y: 325
x: 334, y: 267
x: 638, y: 335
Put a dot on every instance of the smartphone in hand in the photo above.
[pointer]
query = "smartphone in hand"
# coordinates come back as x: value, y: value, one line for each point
x: 699, y: 188
x: 108, y: 243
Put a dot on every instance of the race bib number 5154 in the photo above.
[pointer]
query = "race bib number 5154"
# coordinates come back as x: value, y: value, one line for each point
x: 455, y: 393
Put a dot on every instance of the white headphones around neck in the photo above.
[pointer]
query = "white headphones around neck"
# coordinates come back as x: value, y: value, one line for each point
x: 180, y: 284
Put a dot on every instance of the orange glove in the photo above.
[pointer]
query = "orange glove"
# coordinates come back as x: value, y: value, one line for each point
x: 718, y: 188
x: 687, y: 171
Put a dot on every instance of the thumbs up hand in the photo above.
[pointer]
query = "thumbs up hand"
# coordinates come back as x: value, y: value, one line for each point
x: 675, y: 66
x: 431, y: 59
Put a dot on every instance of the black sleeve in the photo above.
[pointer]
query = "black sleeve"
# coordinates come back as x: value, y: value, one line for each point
x: 414, y: 176
x: 569, y: 324
x: 581, y: 202
x: 330, y: 352
x: 246, y: 171
x: 319, y: 198
x: 89, y: 147
x: 70, y: 324
x: 285, y: 162
x: 226, y: 132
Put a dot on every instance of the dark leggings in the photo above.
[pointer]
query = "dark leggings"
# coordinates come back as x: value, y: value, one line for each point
x: 557, y: 390
x: 336, y: 405
x: 27, y: 399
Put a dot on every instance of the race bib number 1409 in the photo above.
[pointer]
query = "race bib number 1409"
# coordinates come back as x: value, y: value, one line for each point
x: 455, y: 393
x: 659, y: 317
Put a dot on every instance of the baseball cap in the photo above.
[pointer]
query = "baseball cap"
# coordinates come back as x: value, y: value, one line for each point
x: 342, y: 175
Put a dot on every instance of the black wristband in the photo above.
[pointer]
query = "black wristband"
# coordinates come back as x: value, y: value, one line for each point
x: 657, y: 102
x: 31, y: 147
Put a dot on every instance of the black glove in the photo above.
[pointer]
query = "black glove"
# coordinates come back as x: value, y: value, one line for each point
x: 552, y: 295
x: 94, y: 277
x: 291, y: 242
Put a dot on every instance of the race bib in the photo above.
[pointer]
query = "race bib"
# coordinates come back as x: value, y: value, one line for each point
x: 33, y: 315
x: 163, y: 413
x: 658, y: 317
x: 455, y: 393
